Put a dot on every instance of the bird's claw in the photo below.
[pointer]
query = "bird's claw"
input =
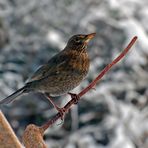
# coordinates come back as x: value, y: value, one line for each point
x: 62, y: 112
x: 75, y: 97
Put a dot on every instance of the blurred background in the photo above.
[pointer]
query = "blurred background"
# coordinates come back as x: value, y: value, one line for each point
x: 115, y: 115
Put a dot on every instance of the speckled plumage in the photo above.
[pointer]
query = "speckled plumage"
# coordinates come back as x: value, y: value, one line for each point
x: 65, y: 71
x: 61, y: 73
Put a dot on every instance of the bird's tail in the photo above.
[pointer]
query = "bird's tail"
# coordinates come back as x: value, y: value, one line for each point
x: 13, y: 96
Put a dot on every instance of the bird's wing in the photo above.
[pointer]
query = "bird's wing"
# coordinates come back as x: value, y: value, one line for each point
x: 53, y: 67
x: 40, y: 73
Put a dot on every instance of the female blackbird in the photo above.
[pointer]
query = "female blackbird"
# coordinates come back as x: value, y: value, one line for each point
x: 61, y: 73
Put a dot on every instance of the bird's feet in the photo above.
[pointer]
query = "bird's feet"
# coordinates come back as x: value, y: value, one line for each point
x: 62, y: 112
x: 75, y: 97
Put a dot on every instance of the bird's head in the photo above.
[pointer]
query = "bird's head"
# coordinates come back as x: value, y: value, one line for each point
x: 80, y: 41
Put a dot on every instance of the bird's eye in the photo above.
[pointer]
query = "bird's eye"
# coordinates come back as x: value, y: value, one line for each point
x: 77, y: 40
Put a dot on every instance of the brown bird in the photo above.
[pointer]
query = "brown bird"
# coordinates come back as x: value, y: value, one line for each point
x: 61, y: 73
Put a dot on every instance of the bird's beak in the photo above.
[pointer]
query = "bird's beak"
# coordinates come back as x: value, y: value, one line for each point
x: 88, y: 37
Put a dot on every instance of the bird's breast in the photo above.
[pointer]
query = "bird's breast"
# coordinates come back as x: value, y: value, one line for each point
x: 68, y: 75
x: 72, y: 74
x: 79, y: 63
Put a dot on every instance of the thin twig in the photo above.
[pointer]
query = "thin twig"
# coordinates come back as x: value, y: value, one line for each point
x: 90, y: 86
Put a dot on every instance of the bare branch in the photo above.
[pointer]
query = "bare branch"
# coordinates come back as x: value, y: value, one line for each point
x: 91, y: 85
